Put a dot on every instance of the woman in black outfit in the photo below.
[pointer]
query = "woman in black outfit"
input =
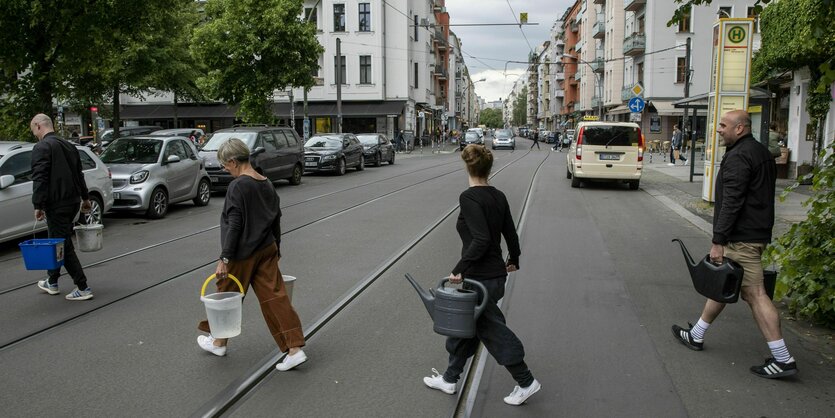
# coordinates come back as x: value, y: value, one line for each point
x: 485, y: 216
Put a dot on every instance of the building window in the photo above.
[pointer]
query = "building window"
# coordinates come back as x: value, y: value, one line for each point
x: 365, y: 17
x: 726, y: 11
x: 753, y: 15
x: 416, y: 28
x: 686, y: 22
x: 339, y: 18
x: 416, y: 75
x: 310, y: 16
x: 641, y: 73
x: 365, y: 69
x: 681, y: 69
x: 315, y: 72
x: 339, y: 68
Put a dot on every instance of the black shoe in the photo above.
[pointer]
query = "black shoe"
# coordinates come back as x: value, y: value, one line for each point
x: 773, y: 369
x: 683, y: 335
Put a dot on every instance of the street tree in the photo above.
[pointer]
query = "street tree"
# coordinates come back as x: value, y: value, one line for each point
x: 491, y: 118
x: 251, y: 49
x: 520, y: 108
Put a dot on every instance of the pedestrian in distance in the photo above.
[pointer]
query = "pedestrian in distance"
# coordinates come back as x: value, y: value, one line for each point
x: 58, y: 187
x: 557, y: 142
x: 743, y: 218
x: 484, y: 218
x: 676, y: 143
x: 535, y: 137
x: 250, y: 235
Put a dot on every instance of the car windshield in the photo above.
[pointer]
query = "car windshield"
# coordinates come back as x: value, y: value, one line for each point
x: 132, y: 151
x: 220, y: 137
x: 323, y: 142
x: 610, y: 135
x: 503, y: 134
x: 471, y: 135
x: 368, y: 139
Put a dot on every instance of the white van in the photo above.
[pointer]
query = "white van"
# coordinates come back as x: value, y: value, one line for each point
x: 606, y: 151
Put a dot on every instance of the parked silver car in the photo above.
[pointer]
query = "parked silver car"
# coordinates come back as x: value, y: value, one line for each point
x: 16, y: 211
x: 152, y: 172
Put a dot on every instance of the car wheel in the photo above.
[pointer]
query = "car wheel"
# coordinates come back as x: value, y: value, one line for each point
x: 361, y: 165
x: 391, y: 160
x: 567, y: 173
x: 379, y: 161
x: 94, y: 217
x: 575, y: 182
x: 633, y: 185
x: 340, y: 167
x: 204, y: 193
x: 158, y: 206
x: 296, y: 178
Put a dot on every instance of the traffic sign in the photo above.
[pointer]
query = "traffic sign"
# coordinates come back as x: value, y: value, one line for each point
x: 637, y: 89
x: 636, y: 104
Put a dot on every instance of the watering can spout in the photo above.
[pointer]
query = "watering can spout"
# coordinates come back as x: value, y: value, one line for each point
x: 427, y: 298
x: 689, y: 259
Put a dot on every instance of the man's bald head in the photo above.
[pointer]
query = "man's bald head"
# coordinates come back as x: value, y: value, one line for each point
x: 734, y: 125
x: 41, y: 125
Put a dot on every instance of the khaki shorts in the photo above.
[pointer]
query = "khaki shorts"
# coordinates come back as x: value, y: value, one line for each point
x: 749, y: 256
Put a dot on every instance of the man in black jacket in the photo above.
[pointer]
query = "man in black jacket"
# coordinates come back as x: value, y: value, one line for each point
x: 743, y: 217
x: 57, y: 188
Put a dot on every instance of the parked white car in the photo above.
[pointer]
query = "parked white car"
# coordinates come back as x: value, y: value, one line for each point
x: 16, y: 210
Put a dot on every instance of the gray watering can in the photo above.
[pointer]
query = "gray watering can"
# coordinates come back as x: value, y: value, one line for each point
x: 720, y: 282
x: 454, y: 311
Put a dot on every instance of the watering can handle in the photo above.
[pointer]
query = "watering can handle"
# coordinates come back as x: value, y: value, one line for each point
x: 206, y: 283
x: 480, y: 308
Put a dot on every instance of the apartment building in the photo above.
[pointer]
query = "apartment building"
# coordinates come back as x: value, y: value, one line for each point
x: 557, y: 76
x: 570, y: 85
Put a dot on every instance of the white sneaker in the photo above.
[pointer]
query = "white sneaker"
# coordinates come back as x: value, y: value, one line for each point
x: 207, y: 342
x: 291, y: 361
x: 671, y: 164
x: 44, y: 285
x: 78, y: 294
x: 686, y: 162
x: 520, y: 394
x: 437, y: 382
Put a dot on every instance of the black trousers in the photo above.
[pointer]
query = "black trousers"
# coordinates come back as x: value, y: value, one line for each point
x: 535, y: 142
x: 492, y: 331
x: 59, y: 223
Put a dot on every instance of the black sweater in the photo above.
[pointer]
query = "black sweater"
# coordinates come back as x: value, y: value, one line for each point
x: 57, y: 179
x: 745, y: 186
x: 250, y: 218
x: 484, y: 218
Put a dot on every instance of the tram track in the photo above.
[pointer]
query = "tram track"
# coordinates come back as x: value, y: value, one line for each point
x: 212, y: 228
x: 242, y: 388
x: 188, y: 271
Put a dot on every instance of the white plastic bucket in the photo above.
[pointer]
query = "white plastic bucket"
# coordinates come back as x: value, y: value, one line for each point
x: 89, y: 237
x: 289, y: 281
x: 223, y: 310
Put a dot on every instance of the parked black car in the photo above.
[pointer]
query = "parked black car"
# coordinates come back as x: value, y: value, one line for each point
x: 377, y: 149
x: 333, y: 152
x: 276, y: 153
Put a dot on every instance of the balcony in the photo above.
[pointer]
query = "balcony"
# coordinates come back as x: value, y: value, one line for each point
x: 580, y: 44
x: 559, y: 76
x: 439, y: 36
x: 599, y: 2
x: 597, y: 65
x: 626, y: 92
x: 559, y: 93
x: 599, y: 29
x: 440, y: 72
x: 437, y: 7
x: 634, y: 44
x: 574, y: 26
x: 596, y: 102
x: 634, y: 5
x: 578, y: 75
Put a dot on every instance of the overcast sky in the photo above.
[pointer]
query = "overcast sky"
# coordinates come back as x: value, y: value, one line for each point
x: 494, y: 45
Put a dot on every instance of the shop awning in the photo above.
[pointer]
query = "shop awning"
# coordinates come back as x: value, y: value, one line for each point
x: 699, y: 101
x: 619, y: 110
x: 663, y: 108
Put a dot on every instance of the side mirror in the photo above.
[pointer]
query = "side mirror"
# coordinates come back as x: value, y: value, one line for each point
x: 172, y: 159
x: 257, y: 151
x: 6, y: 181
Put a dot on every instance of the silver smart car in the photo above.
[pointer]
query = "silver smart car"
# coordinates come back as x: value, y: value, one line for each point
x: 152, y: 172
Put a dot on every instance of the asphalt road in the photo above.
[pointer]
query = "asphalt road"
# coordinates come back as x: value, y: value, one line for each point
x: 599, y: 287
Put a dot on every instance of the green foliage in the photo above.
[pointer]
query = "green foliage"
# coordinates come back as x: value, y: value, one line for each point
x: 252, y: 48
x: 520, y: 108
x: 491, y: 118
x: 806, y: 253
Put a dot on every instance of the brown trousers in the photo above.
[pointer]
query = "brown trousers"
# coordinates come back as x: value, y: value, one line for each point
x: 261, y: 272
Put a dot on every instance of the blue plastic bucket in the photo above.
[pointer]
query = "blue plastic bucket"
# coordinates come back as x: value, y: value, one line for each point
x: 43, y: 254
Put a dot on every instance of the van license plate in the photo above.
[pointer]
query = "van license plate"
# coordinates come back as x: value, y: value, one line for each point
x: 609, y: 157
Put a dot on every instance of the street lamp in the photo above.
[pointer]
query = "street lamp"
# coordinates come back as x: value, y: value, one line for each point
x: 597, y: 79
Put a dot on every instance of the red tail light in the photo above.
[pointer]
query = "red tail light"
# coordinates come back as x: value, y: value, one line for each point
x: 579, y: 154
x: 640, y: 145
x: 109, y: 174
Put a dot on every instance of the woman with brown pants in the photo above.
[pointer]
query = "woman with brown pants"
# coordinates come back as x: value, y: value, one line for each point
x: 250, y: 235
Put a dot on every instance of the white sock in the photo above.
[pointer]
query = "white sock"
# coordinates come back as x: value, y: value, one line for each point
x: 780, y: 352
x: 698, y: 331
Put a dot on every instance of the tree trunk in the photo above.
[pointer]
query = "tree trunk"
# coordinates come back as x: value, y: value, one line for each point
x: 116, y: 119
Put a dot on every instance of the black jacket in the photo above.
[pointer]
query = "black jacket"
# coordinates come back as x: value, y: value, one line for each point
x: 484, y: 218
x: 57, y: 179
x: 745, y: 185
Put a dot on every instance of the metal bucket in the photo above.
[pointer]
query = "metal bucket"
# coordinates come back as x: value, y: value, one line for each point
x: 90, y: 237
x: 289, y: 281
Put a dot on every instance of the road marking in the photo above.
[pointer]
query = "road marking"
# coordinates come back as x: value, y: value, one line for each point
x: 700, y: 223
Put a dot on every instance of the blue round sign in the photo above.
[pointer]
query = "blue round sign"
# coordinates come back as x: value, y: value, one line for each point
x: 636, y: 105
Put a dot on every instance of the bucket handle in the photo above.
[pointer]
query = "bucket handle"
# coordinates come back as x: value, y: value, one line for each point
x: 206, y: 283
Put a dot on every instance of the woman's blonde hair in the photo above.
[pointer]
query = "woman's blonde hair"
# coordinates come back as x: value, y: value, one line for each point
x: 233, y: 149
x: 479, y: 160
